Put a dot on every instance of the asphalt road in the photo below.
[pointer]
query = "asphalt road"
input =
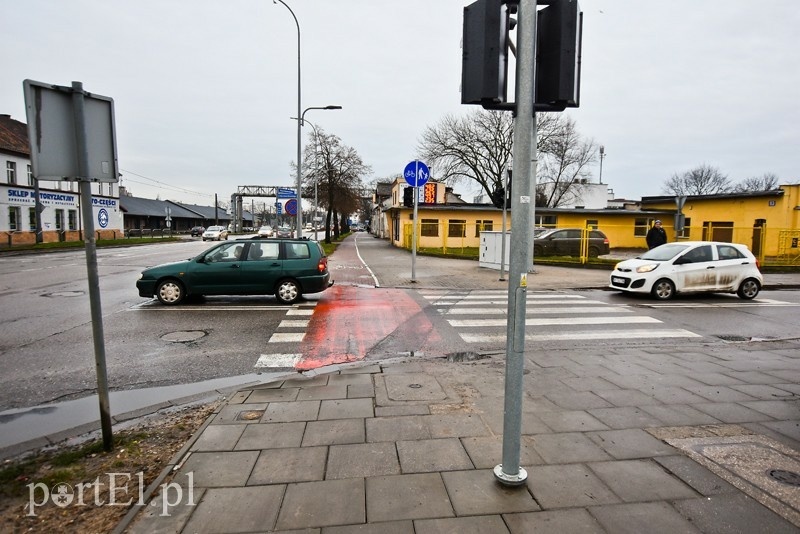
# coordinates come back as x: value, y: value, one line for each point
x: 47, y: 354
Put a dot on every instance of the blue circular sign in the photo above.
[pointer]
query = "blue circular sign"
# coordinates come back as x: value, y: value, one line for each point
x: 416, y: 173
x: 290, y: 206
x: 102, y: 218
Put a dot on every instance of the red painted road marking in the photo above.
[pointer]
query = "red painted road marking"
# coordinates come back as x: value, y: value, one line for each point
x: 349, y: 322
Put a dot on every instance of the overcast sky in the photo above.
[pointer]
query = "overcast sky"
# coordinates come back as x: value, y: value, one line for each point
x: 204, y: 91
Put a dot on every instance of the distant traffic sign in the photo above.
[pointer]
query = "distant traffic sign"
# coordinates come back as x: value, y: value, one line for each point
x: 279, y: 208
x: 291, y: 206
x: 416, y: 173
x: 286, y: 193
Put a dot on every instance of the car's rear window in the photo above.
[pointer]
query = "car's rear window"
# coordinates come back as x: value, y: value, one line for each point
x: 297, y: 251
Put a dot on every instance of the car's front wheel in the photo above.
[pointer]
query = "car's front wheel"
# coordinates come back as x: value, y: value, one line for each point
x: 288, y: 291
x: 749, y: 289
x: 663, y: 289
x: 170, y: 292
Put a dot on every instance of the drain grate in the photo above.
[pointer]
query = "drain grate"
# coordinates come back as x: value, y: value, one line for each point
x: 790, y: 478
x: 734, y: 338
x: 466, y: 356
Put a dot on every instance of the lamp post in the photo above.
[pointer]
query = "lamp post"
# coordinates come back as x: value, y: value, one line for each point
x: 300, y: 123
x: 602, y: 157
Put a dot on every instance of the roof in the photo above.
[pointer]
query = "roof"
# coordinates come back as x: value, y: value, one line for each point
x: 154, y: 208
x: 14, y: 136
x: 720, y: 196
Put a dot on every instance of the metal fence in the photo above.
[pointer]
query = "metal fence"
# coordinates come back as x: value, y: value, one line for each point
x: 772, y: 246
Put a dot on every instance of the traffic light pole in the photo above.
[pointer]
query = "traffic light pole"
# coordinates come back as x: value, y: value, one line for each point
x: 509, y: 472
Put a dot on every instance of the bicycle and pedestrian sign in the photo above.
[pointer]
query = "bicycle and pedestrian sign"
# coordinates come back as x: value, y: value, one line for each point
x: 416, y: 173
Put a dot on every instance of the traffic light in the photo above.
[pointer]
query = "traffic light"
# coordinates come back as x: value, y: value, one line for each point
x: 484, y: 66
x: 408, y: 197
x: 558, y: 56
x: 499, y: 193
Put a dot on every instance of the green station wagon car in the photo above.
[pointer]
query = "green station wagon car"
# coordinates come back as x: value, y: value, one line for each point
x: 286, y: 268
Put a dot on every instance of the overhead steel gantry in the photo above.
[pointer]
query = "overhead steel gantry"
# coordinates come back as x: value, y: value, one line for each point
x: 250, y: 191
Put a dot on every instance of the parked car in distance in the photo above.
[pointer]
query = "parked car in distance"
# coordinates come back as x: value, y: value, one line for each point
x: 286, y: 268
x: 284, y: 232
x: 567, y: 242
x: 265, y: 231
x: 215, y: 233
x: 197, y: 231
x: 690, y: 266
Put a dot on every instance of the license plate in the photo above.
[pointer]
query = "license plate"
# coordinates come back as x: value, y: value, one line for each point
x: 617, y: 280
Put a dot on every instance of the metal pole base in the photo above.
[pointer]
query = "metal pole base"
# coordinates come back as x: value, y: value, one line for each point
x: 510, y: 480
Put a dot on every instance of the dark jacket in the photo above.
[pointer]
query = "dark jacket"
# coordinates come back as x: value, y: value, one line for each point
x: 656, y: 236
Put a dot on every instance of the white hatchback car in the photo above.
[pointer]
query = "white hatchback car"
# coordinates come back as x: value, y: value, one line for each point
x: 690, y: 266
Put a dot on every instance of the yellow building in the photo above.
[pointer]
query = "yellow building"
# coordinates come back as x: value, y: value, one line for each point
x: 768, y: 222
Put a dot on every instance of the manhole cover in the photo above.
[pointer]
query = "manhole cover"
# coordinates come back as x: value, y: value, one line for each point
x: 185, y: 336
x: 785, y: 477
x: 65, y: 294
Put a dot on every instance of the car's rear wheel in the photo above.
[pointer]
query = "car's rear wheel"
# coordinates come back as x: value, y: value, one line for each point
x: 288, y: 291
x: 170, y: 292
x: 594, y: 252
x: 663, y: 289
x: 749, y: 289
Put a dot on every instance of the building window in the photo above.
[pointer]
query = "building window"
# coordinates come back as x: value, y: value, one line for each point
x: 30, y: 176
x: 550, y: 221
x: 429, y: 227
x: 686, y: 232
x: 13, y: 218
x: 72, y: 220
x: 59, y: 220
x: 11, y: 172
x: 483, y: 226
x: 640, y: 226
x: 32, y: 219
x: 456, y: 228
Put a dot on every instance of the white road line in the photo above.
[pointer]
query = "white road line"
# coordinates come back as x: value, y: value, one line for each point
x: 736, y: 304
x: 505, y: 302
x: 287, y: 337
x: 277, y: 360
x: 504, y: 294
x: 574, y: 336
x: 293, y: 324
x: 502, y: 311
x: 478, y: 323
x: 295, y: 311
x: 152, y: 306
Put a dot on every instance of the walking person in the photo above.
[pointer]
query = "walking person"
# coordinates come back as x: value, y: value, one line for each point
x: 656, y: 236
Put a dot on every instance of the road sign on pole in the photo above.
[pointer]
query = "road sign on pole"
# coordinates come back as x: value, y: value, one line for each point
x: 416, y: 173
x: 291, y: 206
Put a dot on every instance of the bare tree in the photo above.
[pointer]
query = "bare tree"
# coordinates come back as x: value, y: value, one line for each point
x: 564, y: 168
x: 477, y: 147
x: 337, y: 171
x: 702, y: 180
x: 766, y: 182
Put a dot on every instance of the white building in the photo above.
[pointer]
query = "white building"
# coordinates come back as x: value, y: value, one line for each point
x: 60, y: 201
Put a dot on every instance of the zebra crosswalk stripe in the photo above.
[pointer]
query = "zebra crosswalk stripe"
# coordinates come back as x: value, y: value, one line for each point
x: 585, y: 335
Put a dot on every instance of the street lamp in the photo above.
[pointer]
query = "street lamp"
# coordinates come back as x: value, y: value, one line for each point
x: 602, y: 157
x: 299, y: 123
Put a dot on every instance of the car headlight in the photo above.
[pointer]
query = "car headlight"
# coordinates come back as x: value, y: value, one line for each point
x: 647, y: 268
x: 141, y: 275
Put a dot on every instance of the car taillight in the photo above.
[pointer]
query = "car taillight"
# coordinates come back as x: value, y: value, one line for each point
x: 758, y: 265
x: 322, y: 266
